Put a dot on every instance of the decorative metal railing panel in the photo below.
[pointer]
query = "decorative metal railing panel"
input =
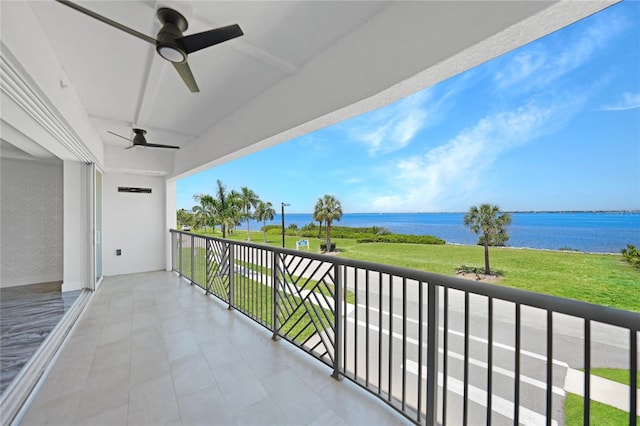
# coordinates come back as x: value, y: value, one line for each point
x: 306, y: 304
x: 439, y: 350
x: 217, y: 269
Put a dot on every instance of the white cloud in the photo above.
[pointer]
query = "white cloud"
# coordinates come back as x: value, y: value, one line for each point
x: 540, y: 66
x: 444, y: 178
x: 393, y: 127
x: 627, y: 101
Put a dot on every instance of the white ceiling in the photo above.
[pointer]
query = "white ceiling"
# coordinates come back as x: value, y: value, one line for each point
x: 123, y: 82
x: 300, y: 65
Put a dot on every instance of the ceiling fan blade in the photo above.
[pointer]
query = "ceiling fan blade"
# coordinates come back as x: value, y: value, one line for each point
x: 156, y: 145
x: 130, y: 146
x: 187, y: 76
x: 108, y: 21
x: 120, y: 136
x: 194, y: 42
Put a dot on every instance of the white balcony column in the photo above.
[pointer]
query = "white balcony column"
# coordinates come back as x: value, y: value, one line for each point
x: 76, y: 227
x: 170, y: 211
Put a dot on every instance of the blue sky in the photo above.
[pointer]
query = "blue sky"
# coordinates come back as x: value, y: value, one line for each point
x: 554, y: 125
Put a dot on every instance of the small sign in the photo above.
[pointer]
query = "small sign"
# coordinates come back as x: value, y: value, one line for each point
x: 302, y: 243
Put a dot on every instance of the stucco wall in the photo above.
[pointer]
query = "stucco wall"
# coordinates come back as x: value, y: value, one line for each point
x: 134, y: 223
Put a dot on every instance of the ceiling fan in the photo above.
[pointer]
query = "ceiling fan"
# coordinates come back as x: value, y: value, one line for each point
x: 170, y: 43
x: 140, y: 140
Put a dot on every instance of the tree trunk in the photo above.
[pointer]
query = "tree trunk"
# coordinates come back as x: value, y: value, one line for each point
x: 487, y: 269
x: 328, y: 227
x: 264, y: 230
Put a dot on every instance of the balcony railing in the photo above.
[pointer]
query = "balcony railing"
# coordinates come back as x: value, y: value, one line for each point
x: 437, y: 349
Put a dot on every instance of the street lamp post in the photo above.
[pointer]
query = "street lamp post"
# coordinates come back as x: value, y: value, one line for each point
x: 283, y: 205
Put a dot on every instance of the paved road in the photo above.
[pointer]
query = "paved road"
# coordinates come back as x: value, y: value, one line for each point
x: 609, y: 347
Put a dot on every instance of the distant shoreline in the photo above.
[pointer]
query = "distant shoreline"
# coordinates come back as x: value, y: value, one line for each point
x: 603, y: 231
x: 538, y: 249
x: 632, y: 211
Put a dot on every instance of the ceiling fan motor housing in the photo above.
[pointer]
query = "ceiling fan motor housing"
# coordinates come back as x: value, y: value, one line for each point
x: 139, y: 138
x: 173, y: 25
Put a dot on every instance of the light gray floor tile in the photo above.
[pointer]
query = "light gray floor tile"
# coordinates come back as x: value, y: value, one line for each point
x: 153, y: 402
x: 115, y: 416
x: 181, y: 344
x: 160, y: 362
x: 53, y: 411
x: 294, y: 397
x: 148, y: 363
x: 206, y: 407
x: 190, y: 375
x: 243, y: 394
x: 265, y: 413
x: 329, y: 417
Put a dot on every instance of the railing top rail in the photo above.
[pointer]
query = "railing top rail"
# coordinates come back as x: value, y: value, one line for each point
x: 588, y: 311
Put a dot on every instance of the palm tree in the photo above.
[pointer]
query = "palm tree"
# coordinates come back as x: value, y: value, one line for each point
x: 328, y: 209
x: 487, y: 220
x: 264, y: 211
x: 184, y: 218
x: 317, y: 214
x: 248, y: 199
x: 206, y: 210
x: 227, y: 207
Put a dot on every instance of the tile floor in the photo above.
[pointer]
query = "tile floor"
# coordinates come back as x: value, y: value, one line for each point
x: 151, y: 350
x: 28, y: 313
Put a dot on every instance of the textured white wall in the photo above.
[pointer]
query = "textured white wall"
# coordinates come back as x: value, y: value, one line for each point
x: 31, y: 222
x: 134, y: 223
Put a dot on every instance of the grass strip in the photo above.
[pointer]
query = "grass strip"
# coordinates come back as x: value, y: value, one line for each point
x: 600, y: 414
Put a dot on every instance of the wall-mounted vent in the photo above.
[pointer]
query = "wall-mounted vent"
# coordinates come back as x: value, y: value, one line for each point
x: 136, y: 190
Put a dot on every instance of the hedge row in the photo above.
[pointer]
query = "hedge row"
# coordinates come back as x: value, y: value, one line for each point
x: 373, y: 234
x: 402, y: 238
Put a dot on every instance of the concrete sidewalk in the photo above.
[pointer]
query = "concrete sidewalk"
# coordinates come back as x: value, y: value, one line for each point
x: 602, y: 390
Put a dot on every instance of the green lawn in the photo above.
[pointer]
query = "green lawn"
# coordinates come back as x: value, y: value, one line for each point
x: 602, y: 279
x: 600, y: 414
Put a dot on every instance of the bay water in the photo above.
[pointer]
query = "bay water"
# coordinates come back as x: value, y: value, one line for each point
x: 600, y: 232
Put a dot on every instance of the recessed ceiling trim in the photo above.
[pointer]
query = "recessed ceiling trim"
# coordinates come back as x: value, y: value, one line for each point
x: 265, y: 57
x: 23, y: 94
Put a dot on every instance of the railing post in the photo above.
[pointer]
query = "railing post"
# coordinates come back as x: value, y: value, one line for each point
x: 232, y: 275
x: 173, y: 250
x: 275, y: 282
x: 192, y: 258
x: 207, y: 267
x: 180, y: 254
x: 433, y: 314
x: 337, y: 299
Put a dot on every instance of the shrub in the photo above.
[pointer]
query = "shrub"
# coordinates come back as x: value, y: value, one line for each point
x: 402, y: 238
x: 631, y: 255
x: 495, y: 240
x: 323, y: 247
x: 310, y: 227
x: 476, y: 270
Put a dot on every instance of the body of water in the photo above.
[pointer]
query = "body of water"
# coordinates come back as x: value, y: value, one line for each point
x: 603, y: 232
